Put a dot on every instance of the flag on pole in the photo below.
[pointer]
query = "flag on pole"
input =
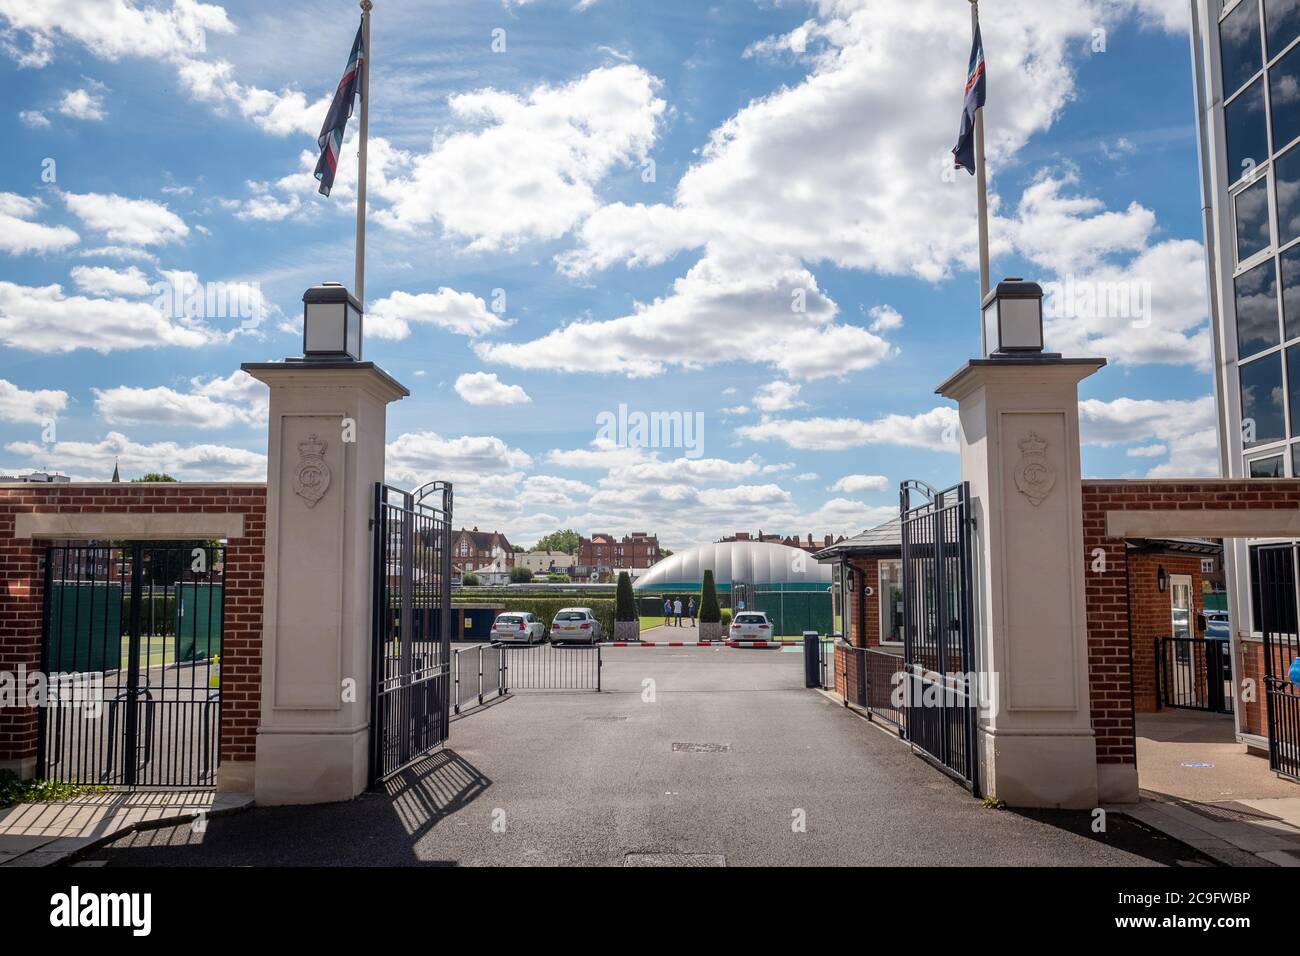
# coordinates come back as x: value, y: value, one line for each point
x: 336, y: 121
x: 964, y: 151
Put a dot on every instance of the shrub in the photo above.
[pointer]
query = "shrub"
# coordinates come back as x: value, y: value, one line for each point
x: 709, y: 612
x: 520, y: 575
x: 470, y: 580
x: 625, y: 602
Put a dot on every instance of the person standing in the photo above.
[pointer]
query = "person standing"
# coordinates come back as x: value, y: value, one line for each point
x: 677, y: 610
x: 690, y: 609
x: 668, y: 611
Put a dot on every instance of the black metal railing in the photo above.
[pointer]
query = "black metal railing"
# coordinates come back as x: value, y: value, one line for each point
x: 938, y: 627
x: 477, y: 675
x: 547, y: 667
x: 871, y: 677
x: 1194, y: 674
x: 131, y: 661
x: 1273, y: 569
x: 411, y: 626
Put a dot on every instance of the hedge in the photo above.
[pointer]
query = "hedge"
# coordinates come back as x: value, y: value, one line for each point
x: 545, y: 609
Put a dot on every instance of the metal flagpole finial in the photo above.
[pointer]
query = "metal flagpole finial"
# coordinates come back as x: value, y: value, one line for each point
x: 366, y: 5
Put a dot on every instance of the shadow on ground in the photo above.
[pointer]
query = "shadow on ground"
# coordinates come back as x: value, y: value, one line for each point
x: 357, y: 833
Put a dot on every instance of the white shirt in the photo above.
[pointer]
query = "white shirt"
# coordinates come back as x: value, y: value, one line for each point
x: 677, y: 607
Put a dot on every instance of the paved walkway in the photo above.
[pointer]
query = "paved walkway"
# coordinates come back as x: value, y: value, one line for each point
x: 40, y: 834
x: 692, y: 756
x: 1199, y: 786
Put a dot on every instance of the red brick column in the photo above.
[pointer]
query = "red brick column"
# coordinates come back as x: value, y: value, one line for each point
x: 22, y: 587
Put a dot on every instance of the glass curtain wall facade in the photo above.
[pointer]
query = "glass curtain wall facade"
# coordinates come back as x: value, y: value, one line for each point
x: 1246, y: 55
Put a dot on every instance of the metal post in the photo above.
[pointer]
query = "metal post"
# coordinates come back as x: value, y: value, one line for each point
x: 133, y: 671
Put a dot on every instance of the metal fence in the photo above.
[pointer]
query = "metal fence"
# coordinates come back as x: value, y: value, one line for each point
x: 131, y: 658
x: 477, y: 675
x: 547, y: 667
x: 1194, y: 674
x: 410, y: 693
x: 1273, y: 568
x: 870, y: 676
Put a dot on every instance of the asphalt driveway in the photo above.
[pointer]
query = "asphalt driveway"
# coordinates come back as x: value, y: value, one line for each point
x: 692, y: 756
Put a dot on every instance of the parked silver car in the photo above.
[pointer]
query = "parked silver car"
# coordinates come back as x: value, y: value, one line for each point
x: 518, y: 627
x: 575, y: 625
x: 751, y: 626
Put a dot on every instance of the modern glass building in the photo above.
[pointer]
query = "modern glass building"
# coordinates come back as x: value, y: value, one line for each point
x: 1246, y: 61
x: 787, y: 583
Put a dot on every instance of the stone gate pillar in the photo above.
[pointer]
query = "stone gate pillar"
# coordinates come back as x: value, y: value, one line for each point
x: 326, y: 451
x: 1019, y: 416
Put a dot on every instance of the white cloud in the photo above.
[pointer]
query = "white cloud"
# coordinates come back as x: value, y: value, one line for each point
x: 30, y: 407
x: 18, y: 235
x: 777, y: 397
x: 196, y: 462
x: 529, y: 172
x: 885, y: 318
x: 103, y: 280
x: 82, y: 104
x: 44, y: 319
x: 1184, y: 430
x: 238, y: 399
x: 132, y: 222
x: 748, y: 302
x: 484, y: 388
x: 417, y: 457
x: 112, y: 29
x: 936, y: 430
x: 852, y: 484
x: 33, y: 119
x: 460, y: 312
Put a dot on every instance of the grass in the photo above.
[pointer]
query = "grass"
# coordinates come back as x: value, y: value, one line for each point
x: 14, y: 791
x: 155, y: 649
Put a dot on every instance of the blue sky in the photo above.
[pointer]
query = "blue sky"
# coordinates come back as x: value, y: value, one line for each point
x: 527, y: 272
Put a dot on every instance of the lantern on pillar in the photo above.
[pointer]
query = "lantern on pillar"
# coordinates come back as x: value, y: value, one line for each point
x: 331, y: 324
x: 1013, y: 318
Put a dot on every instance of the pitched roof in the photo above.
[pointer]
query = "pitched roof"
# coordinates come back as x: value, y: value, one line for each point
x: 887, y: 537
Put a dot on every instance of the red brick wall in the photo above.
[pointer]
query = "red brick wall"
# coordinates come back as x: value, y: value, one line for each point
x: 22, y: 584
x: 1110, y: 675
x: 1151, y: 613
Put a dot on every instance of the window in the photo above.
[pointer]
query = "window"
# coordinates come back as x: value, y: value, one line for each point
x: 1257, y: 309
x: 891, y: 602
x: 1261, y: 400
x: 1293, y: 385
x: 1281, y: 24
x: 1270, y: 467
x: 1284, y: 98
x: 1289, y: 265
x: 1239, y: 47
x: 1243, y: 120
x: 1207, y: 565
x: 1295, y: 459
x: 1278, y: 564
x: 1286, y: 171
x: 1252, y: 218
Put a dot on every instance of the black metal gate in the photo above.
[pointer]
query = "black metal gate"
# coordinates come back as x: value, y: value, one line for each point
x: 411, y: 659
x: 940, y: 683
x: 131, y: 664
x: 1275, y: 582
x: 1194, y: 673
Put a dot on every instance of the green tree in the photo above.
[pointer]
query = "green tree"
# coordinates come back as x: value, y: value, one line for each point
x: 566, y: 541
x: 520, y: 574
x: 469, y: 580
x: 709, y: 612
x: 624, y: 601
x: 155, y: 476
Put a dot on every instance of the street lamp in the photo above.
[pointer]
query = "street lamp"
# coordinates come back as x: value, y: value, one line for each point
x: 331, y: 324
x: 1013, y: 317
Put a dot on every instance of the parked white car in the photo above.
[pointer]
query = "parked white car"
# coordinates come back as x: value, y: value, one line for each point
x: 518, y: 627
x: 575, y: 625
x: 751, y: 626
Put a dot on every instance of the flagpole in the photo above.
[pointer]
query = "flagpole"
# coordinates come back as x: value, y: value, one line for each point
x: 981, y: 189
x: 358, y: 285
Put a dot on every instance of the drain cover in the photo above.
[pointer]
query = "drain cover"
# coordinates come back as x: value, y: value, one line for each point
x: 1230, y: 811
x: 701, y: 748
x: 611, y: 718
x: 674, y: 859
x: 1197, y: 765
